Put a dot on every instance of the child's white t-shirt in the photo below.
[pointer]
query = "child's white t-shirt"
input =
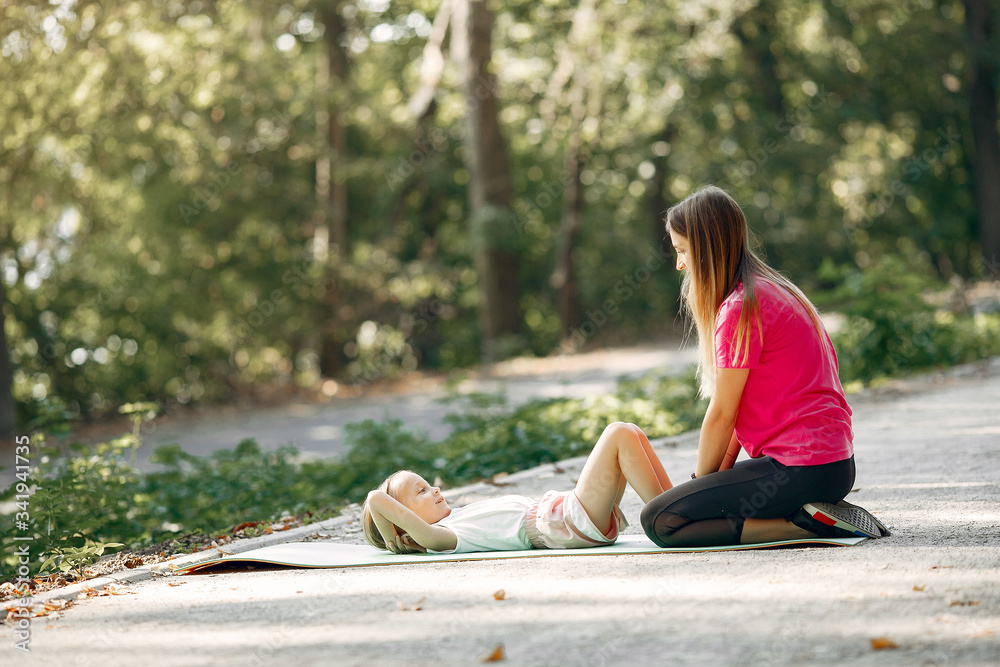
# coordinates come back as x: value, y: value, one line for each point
x: 494, y: 524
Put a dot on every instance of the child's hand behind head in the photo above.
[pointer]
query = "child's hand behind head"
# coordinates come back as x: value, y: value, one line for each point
x: 404, y: 544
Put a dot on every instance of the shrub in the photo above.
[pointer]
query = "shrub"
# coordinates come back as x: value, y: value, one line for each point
x: 892, y: 327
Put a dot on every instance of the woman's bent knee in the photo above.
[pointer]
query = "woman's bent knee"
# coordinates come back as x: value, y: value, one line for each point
x: 659, y: 524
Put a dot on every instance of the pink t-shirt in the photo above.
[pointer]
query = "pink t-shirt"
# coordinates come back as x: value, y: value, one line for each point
x: 793, y: 407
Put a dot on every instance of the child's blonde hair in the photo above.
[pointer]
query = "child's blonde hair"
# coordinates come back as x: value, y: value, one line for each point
x: 391, y: 487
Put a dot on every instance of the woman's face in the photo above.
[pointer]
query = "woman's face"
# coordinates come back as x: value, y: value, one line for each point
x: 682, y: 249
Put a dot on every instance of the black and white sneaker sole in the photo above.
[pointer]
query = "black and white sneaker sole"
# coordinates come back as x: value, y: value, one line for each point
x: 881, y: 526
x: 854, y: 520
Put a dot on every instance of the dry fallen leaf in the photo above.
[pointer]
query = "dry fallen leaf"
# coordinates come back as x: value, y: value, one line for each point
x: 919, y: 588
x: 176, y: 583
x: 496, y: 655
x: 245, y: 524
x: 48, y: 608
x: 880, y: 643
x: 963, y: 603
x: 411, y: 607
x: 499, y: 595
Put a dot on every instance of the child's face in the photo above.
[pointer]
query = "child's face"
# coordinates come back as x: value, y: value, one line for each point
x: 423, y: 499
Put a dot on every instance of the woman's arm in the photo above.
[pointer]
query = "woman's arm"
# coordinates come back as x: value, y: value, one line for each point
x: 732, y: 453
x: 388, y: 513
x: 720, y: 419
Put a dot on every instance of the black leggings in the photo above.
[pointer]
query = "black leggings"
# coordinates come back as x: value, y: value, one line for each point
x: 710, y: 510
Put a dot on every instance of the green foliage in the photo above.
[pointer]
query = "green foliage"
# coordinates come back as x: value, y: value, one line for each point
x: 67, y: 559
x: 79, y: 497
x: 493, y: 228
x: 893, y: 328
x: 160, y: 215
x: 376, y: 450
x: 208, y: 493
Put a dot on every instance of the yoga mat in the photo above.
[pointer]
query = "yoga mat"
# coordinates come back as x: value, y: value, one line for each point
x: 333, y: 554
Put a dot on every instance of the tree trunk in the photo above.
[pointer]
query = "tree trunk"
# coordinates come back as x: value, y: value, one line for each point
x: 564, y: 278
x: 494, y: 225
x: 756, y: 33
x: 8, y: 413
x: 330, y: 236
x: 658, y: 204
x: 422, y: 104
x: 979, y: 21
x: 579, y: 50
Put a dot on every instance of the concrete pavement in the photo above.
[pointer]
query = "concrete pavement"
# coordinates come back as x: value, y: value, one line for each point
x: 927, y: 450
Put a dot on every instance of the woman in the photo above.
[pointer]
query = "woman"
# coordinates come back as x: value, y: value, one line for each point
x: 770, y: 371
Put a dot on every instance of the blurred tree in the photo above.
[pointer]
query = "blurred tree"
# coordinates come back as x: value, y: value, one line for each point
x: 581, y: 45
x: 8, y: 413
x: 493, y: 224
x: 984, y: 72
x: 330, y: 236
x: 199, y: 200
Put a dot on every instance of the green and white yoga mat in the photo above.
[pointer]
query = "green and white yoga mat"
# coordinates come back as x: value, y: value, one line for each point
x: 334, y: 554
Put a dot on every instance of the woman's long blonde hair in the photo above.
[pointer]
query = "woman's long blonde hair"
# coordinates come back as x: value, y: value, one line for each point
x: 719, y: 258
x: 389, y: 486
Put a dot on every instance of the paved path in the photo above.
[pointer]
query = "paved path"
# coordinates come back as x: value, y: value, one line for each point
x: 928, y: 454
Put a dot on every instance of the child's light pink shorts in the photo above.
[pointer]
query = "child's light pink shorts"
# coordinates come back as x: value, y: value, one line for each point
x: 559, y: 521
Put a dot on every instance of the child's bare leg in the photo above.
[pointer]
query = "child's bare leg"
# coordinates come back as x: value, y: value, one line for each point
x: 619, y: 455
x: 653, y: 459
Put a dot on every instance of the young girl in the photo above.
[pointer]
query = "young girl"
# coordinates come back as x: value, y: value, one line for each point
x: 769, y: 369
x: 406, y: 514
